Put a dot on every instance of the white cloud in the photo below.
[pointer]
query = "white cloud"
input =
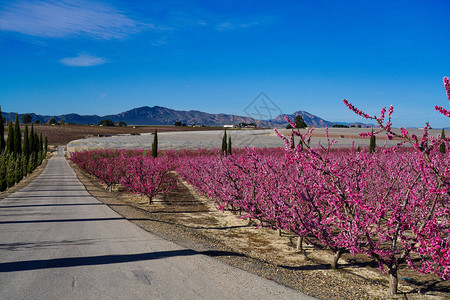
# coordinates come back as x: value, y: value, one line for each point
x: 83, y: 60
x: 66, y: 18
x: 232, y: 25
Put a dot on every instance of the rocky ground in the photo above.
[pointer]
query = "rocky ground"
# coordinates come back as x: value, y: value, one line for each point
x: 192, y: 221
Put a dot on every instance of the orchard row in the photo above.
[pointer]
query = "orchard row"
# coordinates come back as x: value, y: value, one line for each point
x: 390, y: 204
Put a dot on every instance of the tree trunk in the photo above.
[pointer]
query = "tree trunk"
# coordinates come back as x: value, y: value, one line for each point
x: 279, y: 231
x: 300, y: 243
x: 150, y: 199
x: 337, y: 255
x: 393, y: 280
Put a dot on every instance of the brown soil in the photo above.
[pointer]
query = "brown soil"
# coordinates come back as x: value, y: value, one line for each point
x: 192, y: 220
x: 63, y: 134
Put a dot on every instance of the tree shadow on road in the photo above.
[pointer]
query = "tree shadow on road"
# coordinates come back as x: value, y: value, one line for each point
x: 101, y: 260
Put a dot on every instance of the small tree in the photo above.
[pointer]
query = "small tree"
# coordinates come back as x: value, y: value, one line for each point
x: 31, y: 140
x: 229, y: 146
x: 10, y: 174
x: 299, y: 122
x: 25, y: 149
x: 149, y: 176
x: 224, y: 143
x: 3, y: 166
x: 41, y: 143
x: 52, y: 121
x: 442, y: 146
x: 17, y: 137
x: 10, y: 138
x: 18, y: 168
x: 2, y: 132
x: 24, y: 165
x: 26, y: 118
x: 31, y: 163
x: 372, y: 143
x: 106, y: 122
x: 155, y: 144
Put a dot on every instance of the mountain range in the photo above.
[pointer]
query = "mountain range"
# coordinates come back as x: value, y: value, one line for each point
x: 158, y: 115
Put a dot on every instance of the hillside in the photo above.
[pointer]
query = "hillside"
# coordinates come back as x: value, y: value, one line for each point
x: 158, y: 115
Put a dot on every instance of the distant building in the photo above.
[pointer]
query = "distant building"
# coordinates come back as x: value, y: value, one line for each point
x: 229, y: 126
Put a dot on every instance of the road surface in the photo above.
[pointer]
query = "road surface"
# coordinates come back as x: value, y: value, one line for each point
x: 58, y: 242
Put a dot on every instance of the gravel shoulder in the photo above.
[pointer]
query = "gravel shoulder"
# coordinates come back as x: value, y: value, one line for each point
x: 192, y: 221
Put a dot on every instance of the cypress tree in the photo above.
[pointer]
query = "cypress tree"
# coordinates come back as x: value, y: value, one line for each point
x: 25, y: 149
x: 2, y: 171
x: 31, y: 141
x: 46, y: 145
x: 442, y: 146
x: 224, y: 142
x: 31, y: 163
x: 10, y: 138
x: 2, y: 132
x: 41, y: 143
x: 229, y: 145
x: 17, y: 137
x: 10, y: 174
x: 36, y: 150
x: 36, y: 143
x: 24, y: 164
x: 41, y: 149
x: 17, y: 168
x: 372, y: 143
x: 155, y: 144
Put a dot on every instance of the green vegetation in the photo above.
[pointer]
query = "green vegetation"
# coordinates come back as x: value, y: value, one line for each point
x: 442, y: 148
x: 26, y: 118
x: 155, y: 144
x: 340, y: 126
x: 372, y: 143
x: 224, y: 143
x: 19, y: 157
x: 2, y: 132
x: 106, y: 122
x: 299, y: 122
x: 229, y: 146
x: 179, y: 123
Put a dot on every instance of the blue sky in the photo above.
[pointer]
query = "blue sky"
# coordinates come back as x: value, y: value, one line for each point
x: 105, y: 57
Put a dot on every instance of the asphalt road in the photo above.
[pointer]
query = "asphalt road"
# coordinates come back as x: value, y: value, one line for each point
x: 58, y: 242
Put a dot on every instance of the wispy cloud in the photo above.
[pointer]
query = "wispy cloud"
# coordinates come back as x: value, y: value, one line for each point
x: 83, y: 60
x: 233, y: 25
x: 66, y: 18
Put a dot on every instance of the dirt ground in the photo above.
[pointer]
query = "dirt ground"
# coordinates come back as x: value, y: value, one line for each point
x: 63, y: 134
x: 192, y: 220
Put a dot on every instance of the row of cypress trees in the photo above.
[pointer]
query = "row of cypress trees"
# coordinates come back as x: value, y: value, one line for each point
x: 19, y: 157
x: 226, y: 145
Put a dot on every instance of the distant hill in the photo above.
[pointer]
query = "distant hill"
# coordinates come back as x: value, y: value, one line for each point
x: 310, y: 119
x: 158, y: 115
